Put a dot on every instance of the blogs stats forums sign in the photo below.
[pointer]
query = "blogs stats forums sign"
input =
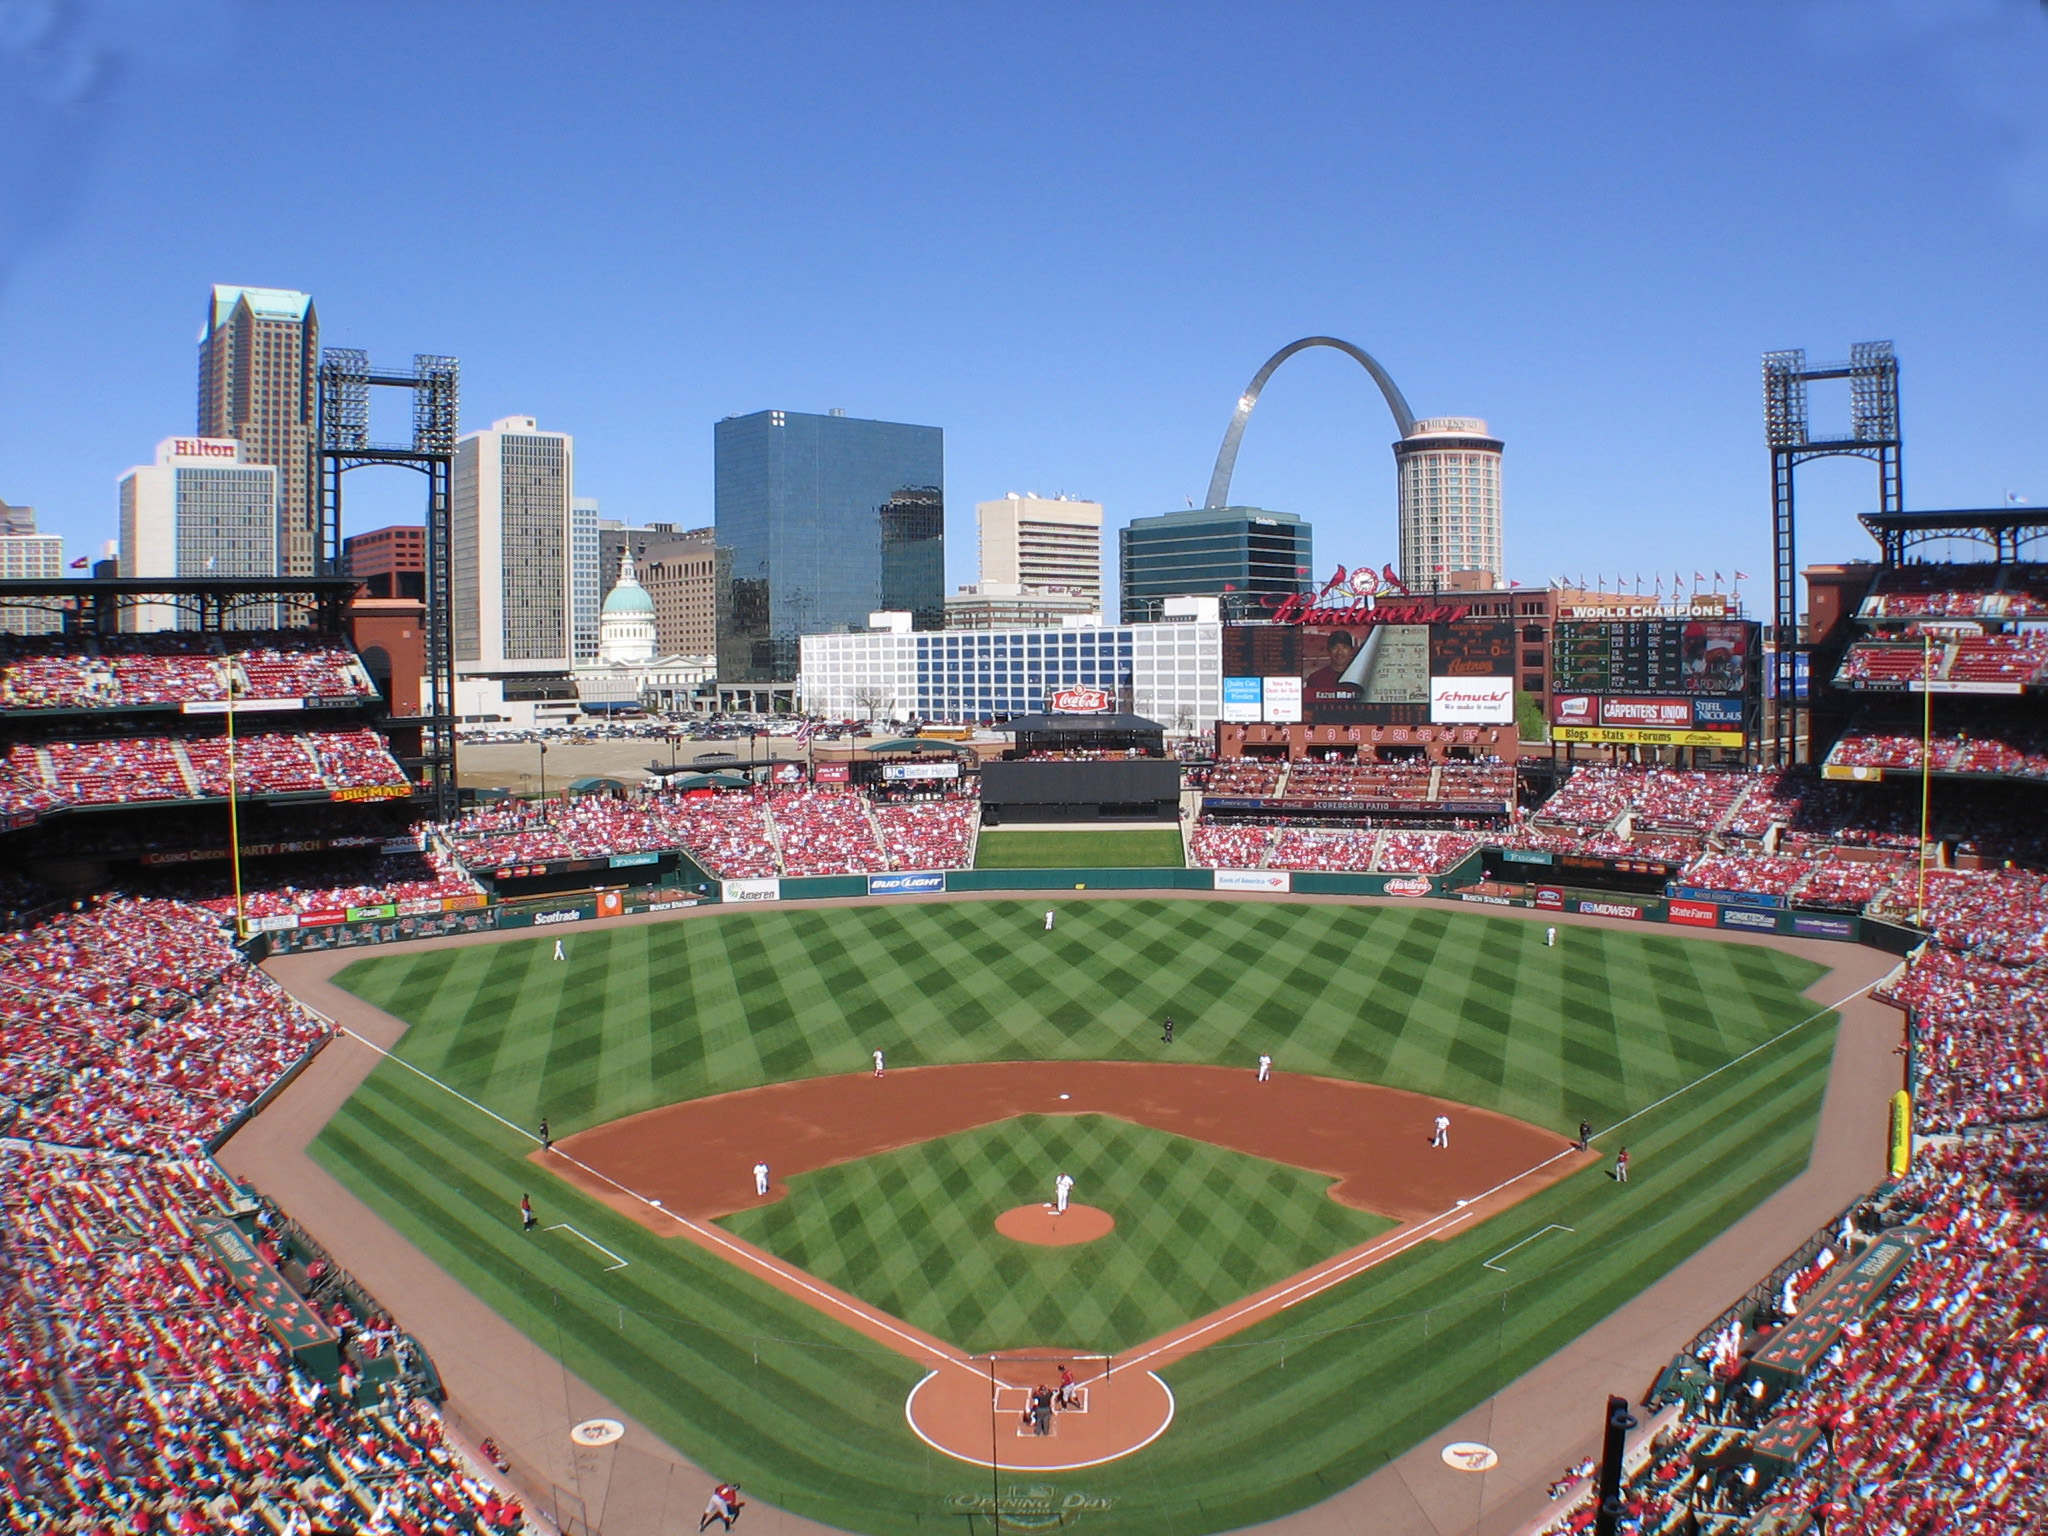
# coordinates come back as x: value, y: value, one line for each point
x: 1371, y: 674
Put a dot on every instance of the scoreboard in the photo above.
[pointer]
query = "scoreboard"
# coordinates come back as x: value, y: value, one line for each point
x: 1673, y: 681
x: 1652, y: 656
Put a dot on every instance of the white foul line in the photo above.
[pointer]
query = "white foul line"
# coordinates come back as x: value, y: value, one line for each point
x: 1553, y: 1227
x: 747, y: 1255
x: 563, y: 1226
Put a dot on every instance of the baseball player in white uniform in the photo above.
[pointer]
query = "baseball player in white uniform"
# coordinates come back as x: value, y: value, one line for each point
x: 1550, y: 938
x: 1265, y: 1069
x: 1048, y: 922
x: 760, y: 1178
x: 559, y: 953
x: 878, y: 1063
x: 1440, y: 1131
x: 1062, y: 1187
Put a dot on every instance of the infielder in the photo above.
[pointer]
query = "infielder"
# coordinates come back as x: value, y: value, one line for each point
x: 760, y: 1178
x: 1062, y: 1187
x: 1265, y: 1069
x: 878, y: 1063
x: 1048, y: 922
x: 1440, y: 1132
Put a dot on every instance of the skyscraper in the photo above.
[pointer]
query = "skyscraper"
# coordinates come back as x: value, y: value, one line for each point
x: 827, y: 519
x: 199, y: 510
x: 1210, y: 552
x: 259, y: 367
x: 586, y: 581
x: 1049, y: 544
x: 26, y: 555
x: 510, y: 548
x: 1449, y: 477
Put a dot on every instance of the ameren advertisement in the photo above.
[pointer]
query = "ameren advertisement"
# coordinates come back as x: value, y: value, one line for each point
x: 1459, y: 673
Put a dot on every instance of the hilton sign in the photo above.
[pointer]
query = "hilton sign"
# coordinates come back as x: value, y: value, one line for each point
x: 204, y: 448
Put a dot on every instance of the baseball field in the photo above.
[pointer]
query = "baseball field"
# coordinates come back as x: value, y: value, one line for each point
x: 1620, y: 1027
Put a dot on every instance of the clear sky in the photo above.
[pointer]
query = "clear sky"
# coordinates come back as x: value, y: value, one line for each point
x: 1065, y: 233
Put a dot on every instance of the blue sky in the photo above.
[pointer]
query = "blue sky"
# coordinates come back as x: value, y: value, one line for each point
x: 1066, y: 234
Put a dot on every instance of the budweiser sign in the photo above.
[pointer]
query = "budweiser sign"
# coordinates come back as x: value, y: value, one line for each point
x: 1079, y: 701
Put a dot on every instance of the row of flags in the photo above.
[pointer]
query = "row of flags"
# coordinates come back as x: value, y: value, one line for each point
x: 1627, y: 585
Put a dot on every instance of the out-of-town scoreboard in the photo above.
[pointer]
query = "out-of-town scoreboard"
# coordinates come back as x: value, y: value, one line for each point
x: 1673, y: 681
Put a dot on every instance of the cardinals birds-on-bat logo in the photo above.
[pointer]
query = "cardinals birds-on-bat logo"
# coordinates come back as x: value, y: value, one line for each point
x: 1362, y: 584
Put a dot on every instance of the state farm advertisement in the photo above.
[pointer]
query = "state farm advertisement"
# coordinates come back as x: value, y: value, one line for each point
x: 1472, y: 700
x: 1654, y: 714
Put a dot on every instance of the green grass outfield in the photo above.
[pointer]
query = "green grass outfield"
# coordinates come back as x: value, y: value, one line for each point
x: 809, y: 1415
x: 1104, y: 848
x: 1198, y: 1227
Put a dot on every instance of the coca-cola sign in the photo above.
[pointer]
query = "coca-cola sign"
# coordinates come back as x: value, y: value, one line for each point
x: 1079, y: 701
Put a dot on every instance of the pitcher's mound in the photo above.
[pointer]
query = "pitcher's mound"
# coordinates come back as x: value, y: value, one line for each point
x: 1037, y: 1224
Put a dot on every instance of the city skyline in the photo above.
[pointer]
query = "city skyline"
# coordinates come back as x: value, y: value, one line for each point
x: 1585, y: 234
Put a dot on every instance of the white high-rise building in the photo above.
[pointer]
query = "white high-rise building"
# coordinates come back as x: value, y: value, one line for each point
x: 1449, y: 471
x: 199, y: 510
x: 1053, y: 544
x: 26, y: 555
x: 586, y: 580
x: 511, y: 549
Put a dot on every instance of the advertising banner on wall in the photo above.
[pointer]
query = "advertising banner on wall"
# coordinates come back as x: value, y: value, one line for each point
x: 1380, y: 673
x: 832, y: 773
x: 1244, y: 700
x: 750, y: 890
x: 1281, y: 700
x: 904, y: 885
x: 1277, y: 880
x: 1472, y: 700
x: 897, y: 773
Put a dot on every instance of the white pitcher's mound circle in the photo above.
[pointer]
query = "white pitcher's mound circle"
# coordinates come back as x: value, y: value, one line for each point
x: 597, y: 1432
x: 1039, y: 1224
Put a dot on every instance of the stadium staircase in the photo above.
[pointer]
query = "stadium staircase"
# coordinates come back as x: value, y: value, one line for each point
x: 774, y: 836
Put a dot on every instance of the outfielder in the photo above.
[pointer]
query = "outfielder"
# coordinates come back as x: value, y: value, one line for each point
x: 1550, y: 938
x: 1440, y: 1131
x: 1265, y: 1069
x: 1062, y: 1187
x: 760, y: 1178
x: 559, y: 955
x: 878, y: 1063
x: 1048, y: 922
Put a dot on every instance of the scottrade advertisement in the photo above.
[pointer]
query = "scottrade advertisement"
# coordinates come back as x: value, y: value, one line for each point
x: 903, y: 885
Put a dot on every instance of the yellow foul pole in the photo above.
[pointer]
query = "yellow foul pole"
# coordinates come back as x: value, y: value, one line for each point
x: 234, y: 807
x: 1926, y: 767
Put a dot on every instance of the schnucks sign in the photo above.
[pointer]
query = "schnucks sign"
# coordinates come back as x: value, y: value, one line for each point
x: 1079, y: 701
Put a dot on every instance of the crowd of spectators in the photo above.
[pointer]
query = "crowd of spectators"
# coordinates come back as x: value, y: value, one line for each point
x: 1924, y: 1417
x: 129, y: 770
x: 1732, y: 869
x: 735, y: 835
x: 175, y: 667
x: 1980, y: 1039
x: 1423, y: 853
x: 322, y: 882
x: 1349, y: 852
x: 1250, y: 777
x: 1229, y: 845
x: 2020, y: 753
x: 143, y: 1393
x: 1960, y: 592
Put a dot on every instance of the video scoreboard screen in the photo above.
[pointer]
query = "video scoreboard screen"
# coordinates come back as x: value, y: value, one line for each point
x: 1652, y: 656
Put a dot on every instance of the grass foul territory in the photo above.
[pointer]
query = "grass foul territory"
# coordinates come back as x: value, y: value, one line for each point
x: 809, y: 1415
x: 1097, y: 848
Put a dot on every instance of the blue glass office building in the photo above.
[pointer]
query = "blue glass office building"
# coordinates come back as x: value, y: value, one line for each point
x: 827, y: 519
x: 1210, y: 552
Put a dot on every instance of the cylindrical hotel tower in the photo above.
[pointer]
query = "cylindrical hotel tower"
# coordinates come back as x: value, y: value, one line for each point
x: 1449, y: 472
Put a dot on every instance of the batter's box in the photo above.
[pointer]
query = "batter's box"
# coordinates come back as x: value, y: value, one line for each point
x: 1015, y: 1400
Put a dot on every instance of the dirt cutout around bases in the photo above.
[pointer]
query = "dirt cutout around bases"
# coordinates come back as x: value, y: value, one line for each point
x: 678, y: 1168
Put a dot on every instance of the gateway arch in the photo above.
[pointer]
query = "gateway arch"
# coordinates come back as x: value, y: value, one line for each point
x: 1226, y: 456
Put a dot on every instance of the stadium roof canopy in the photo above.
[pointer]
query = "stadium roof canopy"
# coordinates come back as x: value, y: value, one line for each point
x: 921, y: 744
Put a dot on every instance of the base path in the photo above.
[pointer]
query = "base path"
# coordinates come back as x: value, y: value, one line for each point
x: 678, y: 1168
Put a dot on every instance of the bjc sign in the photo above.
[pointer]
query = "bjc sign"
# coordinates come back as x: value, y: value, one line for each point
x: 1079, y: 701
